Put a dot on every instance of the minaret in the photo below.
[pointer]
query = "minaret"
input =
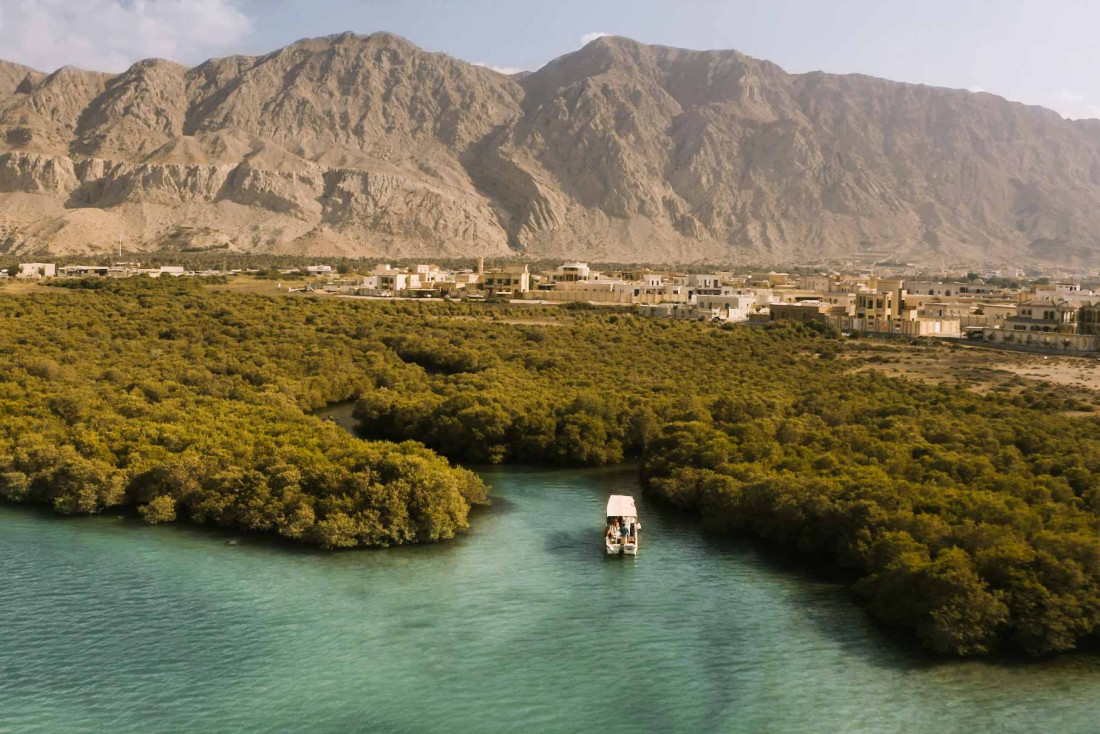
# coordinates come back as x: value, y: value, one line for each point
x: 481, y: 266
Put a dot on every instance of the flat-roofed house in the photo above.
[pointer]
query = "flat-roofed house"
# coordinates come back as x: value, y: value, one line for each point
x: 728, y: 306
x: 511, y: 279
x: 37, y: 270
x: 83, y: 271
x: 802, y: 311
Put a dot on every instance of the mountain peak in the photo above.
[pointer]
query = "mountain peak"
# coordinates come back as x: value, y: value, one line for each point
x: 618, y: 151
x: 350, y: 39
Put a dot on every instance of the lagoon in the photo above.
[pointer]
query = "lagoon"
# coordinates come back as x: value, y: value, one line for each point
x: 110, y: 625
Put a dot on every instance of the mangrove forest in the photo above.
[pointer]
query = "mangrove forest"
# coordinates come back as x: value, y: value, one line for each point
x: 970, y: 518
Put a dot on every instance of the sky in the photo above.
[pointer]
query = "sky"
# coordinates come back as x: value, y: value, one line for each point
x: 1041, y: 52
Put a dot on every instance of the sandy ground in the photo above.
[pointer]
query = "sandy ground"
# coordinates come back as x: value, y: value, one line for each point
x: 981, y: 369
x: 23, y: 287
x: 246, y: 284
x: 1074, y: 372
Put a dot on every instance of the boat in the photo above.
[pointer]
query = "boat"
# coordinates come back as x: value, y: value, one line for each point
x: 621, y: 530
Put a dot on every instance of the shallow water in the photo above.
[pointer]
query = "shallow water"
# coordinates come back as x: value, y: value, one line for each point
x: 109, y: 625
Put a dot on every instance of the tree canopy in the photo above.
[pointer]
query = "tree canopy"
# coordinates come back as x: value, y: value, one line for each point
x: 184, y: 404
x: 972, y: 520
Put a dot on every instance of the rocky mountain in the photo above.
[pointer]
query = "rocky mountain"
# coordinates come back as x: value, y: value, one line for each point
x: 368, y: 145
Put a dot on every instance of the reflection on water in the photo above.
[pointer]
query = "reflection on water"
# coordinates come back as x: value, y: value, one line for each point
x: 341, y: 415
x: 110, y: 625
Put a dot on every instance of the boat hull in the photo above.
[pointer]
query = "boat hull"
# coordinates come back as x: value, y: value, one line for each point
x: 624, y: 549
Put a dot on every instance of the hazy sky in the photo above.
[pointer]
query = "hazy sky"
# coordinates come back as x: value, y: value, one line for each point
x: 1035, y: 51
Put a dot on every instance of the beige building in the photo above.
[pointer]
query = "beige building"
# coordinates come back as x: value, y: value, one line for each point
x: 970, y: 314
x: 466, y: 279
x: 1045, y: 315
x: 819, y: 283
x: 510, y: 279
x: 769, y: 279
x: 595, y: 291
x: 805, y: 311
x: 36, y: 270
x: 685, y: 311
x: 873, y: 309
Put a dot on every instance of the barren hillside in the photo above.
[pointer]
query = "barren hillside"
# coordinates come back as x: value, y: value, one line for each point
x: 621, y: 151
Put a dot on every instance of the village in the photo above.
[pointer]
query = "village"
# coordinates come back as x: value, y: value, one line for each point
x: 1041, y: 314
x: 1063, y: 317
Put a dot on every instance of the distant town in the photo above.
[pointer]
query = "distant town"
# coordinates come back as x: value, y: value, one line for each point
x: 1040, y: 314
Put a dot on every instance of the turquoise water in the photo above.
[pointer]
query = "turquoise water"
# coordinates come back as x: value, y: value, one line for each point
x: 110, y: 625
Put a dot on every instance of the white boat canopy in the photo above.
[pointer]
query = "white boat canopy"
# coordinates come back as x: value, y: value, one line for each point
x: 621, y: 505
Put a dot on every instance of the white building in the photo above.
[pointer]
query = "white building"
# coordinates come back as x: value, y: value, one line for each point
x: 568, y: 273
x: 432, y: 274
x: 728, y: 307
x: 174, y: 271
x: 704, y: 281
x: 395, y: 282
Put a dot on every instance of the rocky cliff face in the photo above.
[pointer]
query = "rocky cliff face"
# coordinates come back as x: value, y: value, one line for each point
x: 620, y: 151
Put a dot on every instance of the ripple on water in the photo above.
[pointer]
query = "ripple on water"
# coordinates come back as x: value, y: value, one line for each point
x: 112, y: 626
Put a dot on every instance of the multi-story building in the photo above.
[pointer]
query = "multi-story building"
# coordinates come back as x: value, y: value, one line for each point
x: 395, y: 281
x: 929, y: 288
x: 971, y: 314
x: 568, y: 273
x: 465, y: 279
x: 1088, y: 319
x: 875, y: 308
x: 1045, y: 315
x: 819, y: 283
x: 703, y: 283
x: 432, y: 274
x: 510, y: 279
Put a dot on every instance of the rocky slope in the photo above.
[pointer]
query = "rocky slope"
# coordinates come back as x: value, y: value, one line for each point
x: 621, y: 151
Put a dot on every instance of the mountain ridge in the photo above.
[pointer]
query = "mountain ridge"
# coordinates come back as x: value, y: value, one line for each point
x: 369, y: 145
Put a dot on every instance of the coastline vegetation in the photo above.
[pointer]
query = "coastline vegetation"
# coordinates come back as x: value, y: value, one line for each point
x: 972, y: 520
x: 181, y: 404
